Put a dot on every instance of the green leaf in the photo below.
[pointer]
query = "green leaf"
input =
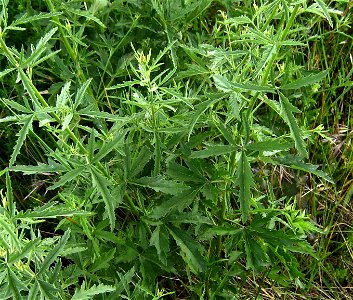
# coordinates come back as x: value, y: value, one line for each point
x: 51, y: 210
x: 325, y: 11
x: 159, y: 184
x: 52, y: 167
x: 67, y: 177
x: 286, y: 112
x: 191, y: 249
x: 245, y: 181
x: 81, y: 92
x: 14, y: 285
x: 39, y: 49
x: 160, y: 239
x: 24, y: 252
x: 11, y: 207
x: 64, y: 96
x: 200, y: 109
x: 256, y: 257
x: 182, y: 173
x: 28, y: 19
x: 305, y: 81
x: 140, y: 161
x: 88, y: 293
x: 270, y: 145
x: 295, y: 163
x: 117, y: 140
x: 101, y: 184
x: 54, y: 253
x: 223, y: 84
x: 48, y: 290
x: 15, y: 105
x: 213, y: 150
x: 179, y: 202
x: 85, y: 14
x: 268, y: 54
x: 27, y: 126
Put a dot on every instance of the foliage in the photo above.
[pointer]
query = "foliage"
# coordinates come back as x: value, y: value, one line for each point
x: 158, y: 135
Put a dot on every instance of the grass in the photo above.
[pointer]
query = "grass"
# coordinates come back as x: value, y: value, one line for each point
x: 176, y: 149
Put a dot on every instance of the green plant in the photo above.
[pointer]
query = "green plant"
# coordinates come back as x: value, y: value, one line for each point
x: 161, y: 132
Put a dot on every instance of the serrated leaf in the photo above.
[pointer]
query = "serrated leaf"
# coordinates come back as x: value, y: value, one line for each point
x: 6, y: 71
x: 268, y: 54
x: 27, y: 126
x: 27, y: 19
x: 14, y: 285
x: 101, y: 184
x: 122, y: 85
x: 159, y: 184
x: 24, y: 252
x: 140, y: 162
x: 182, y: 173
x: 270, y: 145
x: 39, y: 49
x: 108, y: 147
x: 305, y: 81
x: 40, y: 169
x: 200, y: 109
x: 223, y: 84
x: 15, y: 105
x: 11, y: 206
x: 191, y: 249
x: 325, y: 11
x: 51, y: 210
x: 213, y: 150
x: 48, y: 290
x: 160, y: 239
x: 54, y: 253
x: 286, y: 112
x: 67, y: 177
x: 81, y: 92
x: 179, y: 202
x: 85, y: 14
x: 295, y: 163
x: 256, y: 257
x: 64, y: 95
x: 85, y: 294
x: 244, y: 179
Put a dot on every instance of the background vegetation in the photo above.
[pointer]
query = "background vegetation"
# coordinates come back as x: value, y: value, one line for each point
x: 176, y: 149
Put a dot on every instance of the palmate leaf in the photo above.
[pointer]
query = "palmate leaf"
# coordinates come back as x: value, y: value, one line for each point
x: 245, y: 181
x: 287, y: 110
x: 191, y: 249
x: 27, y: 126
x: 101, y: 184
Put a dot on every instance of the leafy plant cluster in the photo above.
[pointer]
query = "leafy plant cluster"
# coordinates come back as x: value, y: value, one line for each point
x: 154, y: 133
